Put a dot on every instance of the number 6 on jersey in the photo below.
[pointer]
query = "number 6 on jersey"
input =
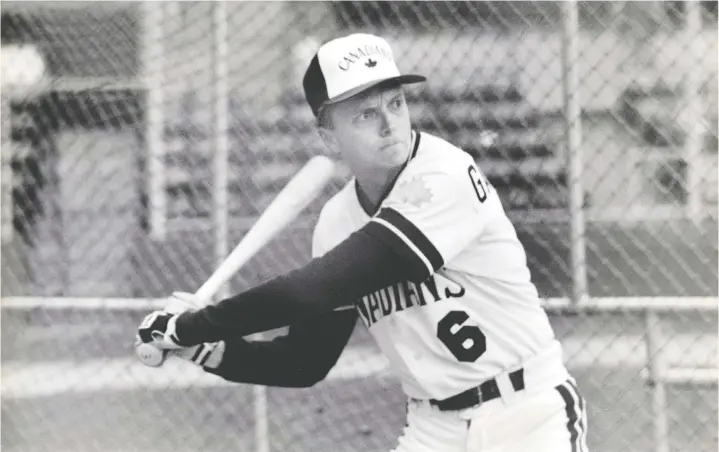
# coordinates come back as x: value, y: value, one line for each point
x: 466, y: 342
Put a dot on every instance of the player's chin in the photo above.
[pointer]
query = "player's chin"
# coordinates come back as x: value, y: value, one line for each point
x: 393, y: 155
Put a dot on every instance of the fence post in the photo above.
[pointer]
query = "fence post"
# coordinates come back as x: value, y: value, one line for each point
x: 220, y: 156
x: 655, y: 370
x: 6, y: 176
x: 693, y: 122
x: 153, y: 67
x: 220, y: 187
x: 575, y: 160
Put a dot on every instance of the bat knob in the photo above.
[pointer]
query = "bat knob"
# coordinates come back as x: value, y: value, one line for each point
x: 150, y: 355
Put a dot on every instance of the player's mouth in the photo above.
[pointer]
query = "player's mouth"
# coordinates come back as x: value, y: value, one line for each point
x: 391, y: 144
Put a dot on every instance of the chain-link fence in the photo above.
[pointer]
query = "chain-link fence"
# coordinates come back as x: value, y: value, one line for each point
x: 140, y: 141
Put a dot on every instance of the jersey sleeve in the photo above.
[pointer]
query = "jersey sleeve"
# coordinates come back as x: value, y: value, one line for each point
x: 298, y: 359
x: 431, y: 216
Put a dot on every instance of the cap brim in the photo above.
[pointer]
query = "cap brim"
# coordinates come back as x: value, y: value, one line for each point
x: 400, y: 79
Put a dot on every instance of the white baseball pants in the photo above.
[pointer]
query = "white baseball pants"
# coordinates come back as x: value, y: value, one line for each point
x: 551, y: 420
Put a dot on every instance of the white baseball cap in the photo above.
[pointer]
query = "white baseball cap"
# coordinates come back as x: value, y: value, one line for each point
x: 346, y: 66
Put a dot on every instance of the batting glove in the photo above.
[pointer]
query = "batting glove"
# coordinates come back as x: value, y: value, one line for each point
x: 203, y: 355
x: 158, y: 329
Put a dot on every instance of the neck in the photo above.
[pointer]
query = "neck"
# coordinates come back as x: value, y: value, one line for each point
x: 372, y: 187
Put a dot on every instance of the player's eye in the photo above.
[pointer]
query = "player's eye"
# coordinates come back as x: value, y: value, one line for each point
x: 396, y: 103
x: 365, y: 115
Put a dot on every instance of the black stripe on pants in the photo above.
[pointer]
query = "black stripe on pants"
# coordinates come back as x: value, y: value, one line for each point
x: 582, y: 416
x: 574, y: 423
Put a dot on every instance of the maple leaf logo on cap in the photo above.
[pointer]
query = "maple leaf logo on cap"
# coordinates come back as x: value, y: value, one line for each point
x: 414, y: 192
x: 371, y: 63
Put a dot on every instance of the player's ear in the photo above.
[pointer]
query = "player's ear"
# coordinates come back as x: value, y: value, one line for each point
x: 329, y: 139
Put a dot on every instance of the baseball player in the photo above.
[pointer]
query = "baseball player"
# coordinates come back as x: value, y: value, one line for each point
x: 418, y: 243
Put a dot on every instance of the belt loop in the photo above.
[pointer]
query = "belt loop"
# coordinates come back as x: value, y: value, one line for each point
x: 506, y: 389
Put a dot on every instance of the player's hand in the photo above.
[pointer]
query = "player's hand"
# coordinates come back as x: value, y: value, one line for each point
x: 204, y: 355
x: 158, y: 329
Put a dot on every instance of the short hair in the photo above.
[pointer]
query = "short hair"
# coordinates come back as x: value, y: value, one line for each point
x: 324, y: 119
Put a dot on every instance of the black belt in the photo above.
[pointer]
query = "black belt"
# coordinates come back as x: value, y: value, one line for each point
x: 485, y: 392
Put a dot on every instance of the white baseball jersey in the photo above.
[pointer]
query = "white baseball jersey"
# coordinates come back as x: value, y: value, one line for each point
x: 479, y: 314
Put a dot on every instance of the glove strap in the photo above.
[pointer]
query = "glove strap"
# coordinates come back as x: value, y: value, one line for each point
x: 209, y: 355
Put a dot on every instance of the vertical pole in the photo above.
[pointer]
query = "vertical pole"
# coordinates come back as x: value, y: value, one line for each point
x: 6, y: 210
x: 220, y: 188
x: 6, y: 183
x: 221, y: 156
x: 573, y: 118
x: 693, y: 107
x: 153, y: 78
x: 655, y: 379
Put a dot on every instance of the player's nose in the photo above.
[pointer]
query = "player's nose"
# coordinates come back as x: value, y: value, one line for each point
x: 387, y: 126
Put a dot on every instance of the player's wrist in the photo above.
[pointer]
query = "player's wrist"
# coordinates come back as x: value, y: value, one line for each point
x: 214, y: 359
x: 182, y: 328
x: 206, y: 355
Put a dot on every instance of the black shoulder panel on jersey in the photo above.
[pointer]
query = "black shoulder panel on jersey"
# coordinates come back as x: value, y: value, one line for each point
x: 407, y: 240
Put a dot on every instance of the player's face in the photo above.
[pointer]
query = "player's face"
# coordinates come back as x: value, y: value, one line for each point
x: 373, y: 129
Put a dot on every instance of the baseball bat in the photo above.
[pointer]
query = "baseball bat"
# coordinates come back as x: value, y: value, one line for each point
x: 302, y: 189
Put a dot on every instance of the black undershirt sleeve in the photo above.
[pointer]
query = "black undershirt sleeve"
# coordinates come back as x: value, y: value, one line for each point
x: 358, y: 266
x: 299, y: 359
